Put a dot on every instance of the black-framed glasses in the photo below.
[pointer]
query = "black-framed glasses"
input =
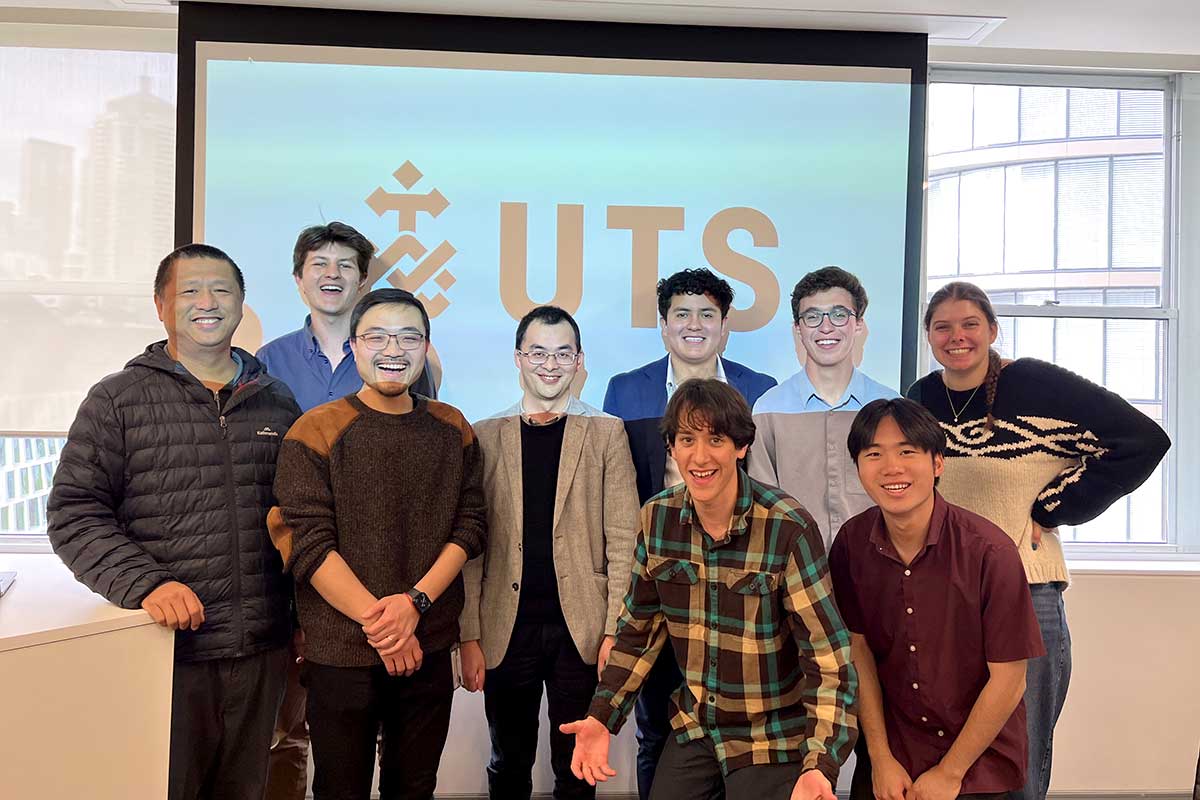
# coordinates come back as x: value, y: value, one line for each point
x: 838, y: 315
x: 538, y: 357
x: 379, y: 340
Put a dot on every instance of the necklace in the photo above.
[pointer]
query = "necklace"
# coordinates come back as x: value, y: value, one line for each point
x: 953, y: 410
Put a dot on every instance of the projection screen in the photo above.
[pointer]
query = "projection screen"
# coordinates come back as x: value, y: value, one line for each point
x: 491, y: 182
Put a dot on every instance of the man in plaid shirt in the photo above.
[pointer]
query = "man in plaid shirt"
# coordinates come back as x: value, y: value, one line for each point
x: 732, y: 574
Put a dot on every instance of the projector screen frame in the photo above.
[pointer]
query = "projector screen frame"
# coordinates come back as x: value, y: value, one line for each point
x: 237, y: 23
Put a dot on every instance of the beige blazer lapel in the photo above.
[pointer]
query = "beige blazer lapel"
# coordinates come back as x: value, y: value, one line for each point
x: 568, y: 460
x: 510, y: 444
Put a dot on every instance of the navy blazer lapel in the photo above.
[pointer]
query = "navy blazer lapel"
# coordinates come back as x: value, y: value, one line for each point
x: 656, y: 393
x: 737, y: 376
x: 656, y: 448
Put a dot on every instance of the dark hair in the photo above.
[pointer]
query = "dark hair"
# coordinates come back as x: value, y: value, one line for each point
x: 918, y: 425
x: 694, y: 281
x: 319, y: 236
x: 829, y: 278
x: 708, y: 404
x: 961, y: 290
x: 163, y: 276
x: 381, y: 297
x: 547, y: 315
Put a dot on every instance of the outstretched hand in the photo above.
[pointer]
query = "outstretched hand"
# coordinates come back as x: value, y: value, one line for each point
x: 589, y: 762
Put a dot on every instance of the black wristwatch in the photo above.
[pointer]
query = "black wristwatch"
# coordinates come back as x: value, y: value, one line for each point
x: 420, y: 600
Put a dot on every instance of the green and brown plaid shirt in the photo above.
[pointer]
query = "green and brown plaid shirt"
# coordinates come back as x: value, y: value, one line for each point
x: 763, y: 650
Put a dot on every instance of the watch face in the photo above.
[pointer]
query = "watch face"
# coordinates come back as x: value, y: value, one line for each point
x: 420, y: 601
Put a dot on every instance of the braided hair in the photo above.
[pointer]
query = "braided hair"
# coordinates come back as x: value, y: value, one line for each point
x: 961, y: 290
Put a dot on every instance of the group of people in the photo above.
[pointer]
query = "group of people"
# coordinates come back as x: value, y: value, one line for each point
x: 768, y: 577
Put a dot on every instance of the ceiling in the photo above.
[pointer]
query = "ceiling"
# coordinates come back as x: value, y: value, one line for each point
x: 1165, y: 32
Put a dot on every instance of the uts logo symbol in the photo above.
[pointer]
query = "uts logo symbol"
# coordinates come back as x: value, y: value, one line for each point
x: 426, y: 264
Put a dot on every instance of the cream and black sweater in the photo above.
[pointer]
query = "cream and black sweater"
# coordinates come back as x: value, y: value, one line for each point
x: 1060, y: 452
x: 388, y: 492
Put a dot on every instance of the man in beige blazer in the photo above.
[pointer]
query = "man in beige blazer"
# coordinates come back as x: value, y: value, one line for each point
x: 542, y: 602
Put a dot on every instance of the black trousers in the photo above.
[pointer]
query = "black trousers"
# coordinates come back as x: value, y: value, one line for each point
x: 222, y: 716
x: 653, y: 713
x: 692, y: 770
x: 347, y: 707
x: 512, y: 699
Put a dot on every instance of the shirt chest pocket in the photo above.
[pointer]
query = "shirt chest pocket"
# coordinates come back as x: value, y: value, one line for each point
x: 676, y: 580
x: 751, y: 596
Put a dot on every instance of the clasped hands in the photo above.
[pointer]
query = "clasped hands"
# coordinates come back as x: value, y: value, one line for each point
x: 390, y: 625
x: 891, y: 782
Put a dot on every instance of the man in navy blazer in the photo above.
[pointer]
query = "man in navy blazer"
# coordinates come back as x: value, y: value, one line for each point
x: 693, y: 310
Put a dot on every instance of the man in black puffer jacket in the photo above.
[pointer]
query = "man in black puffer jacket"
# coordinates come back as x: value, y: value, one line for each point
x: 160, y: 502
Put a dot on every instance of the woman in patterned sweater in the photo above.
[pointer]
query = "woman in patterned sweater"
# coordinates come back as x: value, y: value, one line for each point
x: 1031, y: 446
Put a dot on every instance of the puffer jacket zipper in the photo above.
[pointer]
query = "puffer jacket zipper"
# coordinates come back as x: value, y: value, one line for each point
x: 236, y: 538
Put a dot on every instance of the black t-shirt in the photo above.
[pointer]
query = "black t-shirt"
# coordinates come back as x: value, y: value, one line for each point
x: 541, y: 446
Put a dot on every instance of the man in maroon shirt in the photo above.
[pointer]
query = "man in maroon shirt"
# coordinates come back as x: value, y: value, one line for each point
x: 941, y: 622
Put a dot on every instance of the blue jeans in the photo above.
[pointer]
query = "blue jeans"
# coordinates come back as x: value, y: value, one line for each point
x: 1046, y: 681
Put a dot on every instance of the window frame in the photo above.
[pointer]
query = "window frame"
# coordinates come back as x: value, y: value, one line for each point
x: 1180, y: 543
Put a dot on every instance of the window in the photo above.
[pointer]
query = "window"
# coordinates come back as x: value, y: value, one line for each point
x: 1050, y: 194
x: 86, y: 157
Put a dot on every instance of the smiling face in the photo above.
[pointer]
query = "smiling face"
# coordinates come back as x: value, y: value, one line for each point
x: 200, y: 305
x: 693, y: 328
x: 550, y: 380
x: 708, y: 463
x: 960, y: 336
x: 392, y: 369
x: 896, y: 474
x: 329, y: 280
x: 827, y: 345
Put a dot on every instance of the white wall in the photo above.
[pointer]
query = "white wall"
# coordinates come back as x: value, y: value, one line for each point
x: 1132, y: 719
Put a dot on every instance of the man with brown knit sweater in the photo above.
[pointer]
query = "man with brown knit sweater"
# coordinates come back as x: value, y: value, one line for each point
x: 380, y: 506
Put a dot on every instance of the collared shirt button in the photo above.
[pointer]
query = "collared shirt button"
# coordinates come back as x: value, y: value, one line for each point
x: 907, y: 572
x: 916, y: 686
x: 515, y: 586
x: 712, y: 698
x: 909, y: 609
x: 941, y: 733
x: 912, y: 648
x: 924, y: 719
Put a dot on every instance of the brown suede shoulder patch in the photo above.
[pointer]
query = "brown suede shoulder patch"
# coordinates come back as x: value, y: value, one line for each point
x: 321, y: 427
